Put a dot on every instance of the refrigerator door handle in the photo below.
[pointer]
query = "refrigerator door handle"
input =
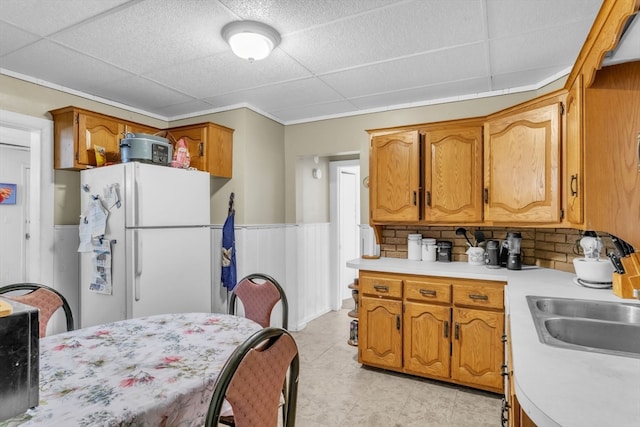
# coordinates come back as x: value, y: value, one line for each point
x: 137, y: 264
x: 135, y: 196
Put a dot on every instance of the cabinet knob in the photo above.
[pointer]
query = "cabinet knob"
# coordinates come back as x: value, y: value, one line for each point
x: 446, y: 329
x: 428, y: 197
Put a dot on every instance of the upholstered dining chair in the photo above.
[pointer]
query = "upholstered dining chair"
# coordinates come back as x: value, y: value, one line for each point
x: 47, y: 300
x: 259, y: 294
x: 252, y: 380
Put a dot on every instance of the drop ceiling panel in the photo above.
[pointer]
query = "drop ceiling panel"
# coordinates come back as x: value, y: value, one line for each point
x: 391, y: 33
x: 63, y: 66
x: 46, y: 17
x: 294, y: 15
x: 224, y: 73
x: 152, y: 34
x: 415, y: 95
x: 439, y: 67
x: 140, y: 93
x: 542, y: 49
x: 13, y: 38
x: 511, y: 18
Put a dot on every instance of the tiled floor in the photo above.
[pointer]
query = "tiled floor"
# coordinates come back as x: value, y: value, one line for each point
x: 335, y: 390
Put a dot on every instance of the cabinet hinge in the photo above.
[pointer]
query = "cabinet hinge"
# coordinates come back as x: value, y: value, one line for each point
x: 561, y: 214
x: 77, y: 118
x: 77, y: 156
x: 562, y: 108
x: 201, y: 149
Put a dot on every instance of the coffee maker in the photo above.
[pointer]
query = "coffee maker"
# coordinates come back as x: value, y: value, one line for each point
x: 510, y: 251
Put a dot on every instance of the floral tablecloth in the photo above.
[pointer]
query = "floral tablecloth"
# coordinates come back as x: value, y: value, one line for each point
x: 152, y: 371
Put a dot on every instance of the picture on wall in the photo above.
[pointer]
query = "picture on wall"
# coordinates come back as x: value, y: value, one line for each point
x: 7, y: 194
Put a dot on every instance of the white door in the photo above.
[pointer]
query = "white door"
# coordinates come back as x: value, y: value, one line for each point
x: 345, y: 216
x: 349, y: 215
x: 14, y: 217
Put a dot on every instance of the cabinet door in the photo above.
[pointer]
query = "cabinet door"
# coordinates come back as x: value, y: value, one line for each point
x: 521, y: 166
x: 453, y: 175
x: 219, y: 151
x: 573, y: 150
x: 612, y: 152
x: 380, y: 332
x: 426, y: 349
x: 477, y: 351
x: 101, y: 131
x: 394, y: 177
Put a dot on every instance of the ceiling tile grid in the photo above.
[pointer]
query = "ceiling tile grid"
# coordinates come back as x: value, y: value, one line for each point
x: 337, y: 57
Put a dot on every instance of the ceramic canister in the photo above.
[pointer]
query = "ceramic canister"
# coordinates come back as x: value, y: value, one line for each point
x: 429, y: 250
x: 414, y: 243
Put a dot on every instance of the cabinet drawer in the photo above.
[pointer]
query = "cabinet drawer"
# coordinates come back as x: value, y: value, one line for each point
x: 380, y: 285
x: 425, y: 291
x: 479, y: 295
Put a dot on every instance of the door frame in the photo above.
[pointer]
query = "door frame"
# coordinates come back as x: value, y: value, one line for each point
x: 36, y: 134
x: 335, y: 167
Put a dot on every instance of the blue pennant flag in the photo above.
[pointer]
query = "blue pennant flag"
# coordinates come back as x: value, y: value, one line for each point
x: 229, y: 252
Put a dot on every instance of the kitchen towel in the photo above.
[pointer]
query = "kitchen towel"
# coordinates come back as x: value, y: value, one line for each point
x: 229, y: 277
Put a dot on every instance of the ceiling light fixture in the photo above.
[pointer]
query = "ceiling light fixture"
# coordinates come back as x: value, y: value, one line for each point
x: 250, y: 40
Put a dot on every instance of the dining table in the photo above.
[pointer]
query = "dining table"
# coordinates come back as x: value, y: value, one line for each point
x: 149, y: 371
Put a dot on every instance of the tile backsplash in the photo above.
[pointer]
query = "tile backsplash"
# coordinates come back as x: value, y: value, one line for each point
x: 546, y: 247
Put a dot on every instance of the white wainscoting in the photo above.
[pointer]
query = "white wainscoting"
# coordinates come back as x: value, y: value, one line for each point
x: 66, y: 278
x: 296, y: 255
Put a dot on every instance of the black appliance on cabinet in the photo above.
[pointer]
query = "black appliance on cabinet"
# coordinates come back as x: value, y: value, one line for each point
x: 19, y: 359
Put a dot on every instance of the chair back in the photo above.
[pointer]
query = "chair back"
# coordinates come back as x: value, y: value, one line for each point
x: 47, y: 300
x: 259, y: 294
x: 253, y: 378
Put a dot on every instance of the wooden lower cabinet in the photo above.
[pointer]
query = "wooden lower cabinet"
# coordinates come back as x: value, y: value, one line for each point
x: 426, y: 347
x: 380, y: 338
x: 441, y: 328
x: 478, y: 351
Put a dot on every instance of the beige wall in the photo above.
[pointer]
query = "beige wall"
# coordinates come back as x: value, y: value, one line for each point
x: 271, y: 162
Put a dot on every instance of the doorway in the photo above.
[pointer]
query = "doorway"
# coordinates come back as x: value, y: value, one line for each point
x: 14, y: 217
x: 34, y: 136
x: 345, y: 217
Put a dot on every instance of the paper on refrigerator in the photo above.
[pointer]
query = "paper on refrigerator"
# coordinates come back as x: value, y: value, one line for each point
x: 101, y: 267
x: 93, y: 224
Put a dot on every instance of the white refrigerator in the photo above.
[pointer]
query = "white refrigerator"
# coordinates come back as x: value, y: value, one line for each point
x: 160, y: 242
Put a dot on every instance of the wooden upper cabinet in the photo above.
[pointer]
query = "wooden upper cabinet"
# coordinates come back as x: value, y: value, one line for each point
x: 612, y: 152
x: 394, y: 177
x: 522, y: 166
x: 210, y: 147
x: 77, y: 132
x: 453, y: 174
x: 574, y: 176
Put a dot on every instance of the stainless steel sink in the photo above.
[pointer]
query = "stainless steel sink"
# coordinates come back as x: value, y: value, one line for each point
x: 587, y: 325
x: 599, y: 310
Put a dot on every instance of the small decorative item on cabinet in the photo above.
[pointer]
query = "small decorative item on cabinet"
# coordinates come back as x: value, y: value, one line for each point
x: 353, y: 330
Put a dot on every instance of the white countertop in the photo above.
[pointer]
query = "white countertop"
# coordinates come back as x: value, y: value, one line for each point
x: 555, y: 386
